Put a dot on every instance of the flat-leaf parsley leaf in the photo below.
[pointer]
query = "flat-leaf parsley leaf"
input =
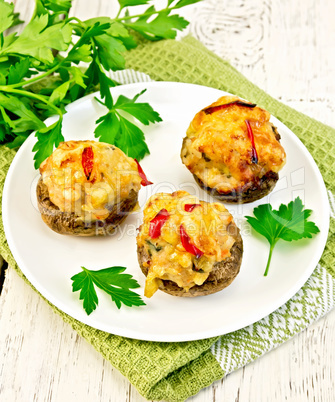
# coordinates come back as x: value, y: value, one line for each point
x: 110, y: 280
x: 289, y: 222
x: 114, y: 128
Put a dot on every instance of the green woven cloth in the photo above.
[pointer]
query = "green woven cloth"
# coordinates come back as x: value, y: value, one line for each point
x: 175, y: 371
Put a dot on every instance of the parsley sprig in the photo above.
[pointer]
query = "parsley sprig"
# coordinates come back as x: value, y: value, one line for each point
x: 289, y: 222
x: 110, y: 280
x: 40, y: 72
x: 115, y: 129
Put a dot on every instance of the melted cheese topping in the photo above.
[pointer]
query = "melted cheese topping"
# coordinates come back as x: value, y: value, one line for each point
x: 206, y: 227
x: 217, y: 148
x: 112, y: 176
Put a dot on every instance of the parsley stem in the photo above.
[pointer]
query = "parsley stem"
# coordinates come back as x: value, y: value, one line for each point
x: 75, y: 19
x: 119, y: 12
x: 37, y: 78
x: 32, y: 96
x: 146, y: 14
x: 272, y: 246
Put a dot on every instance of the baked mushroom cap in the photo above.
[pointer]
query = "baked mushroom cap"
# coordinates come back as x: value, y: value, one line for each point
x: 249, y: 192
x: 69, y: 223
x: 221, y: 276
x: 87, y: 188
x: 233, y: 151
x: 187, y: 247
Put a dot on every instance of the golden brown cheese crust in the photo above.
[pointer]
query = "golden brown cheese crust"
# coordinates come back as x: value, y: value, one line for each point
x: 206, y: 226
x: 88, y: 184
x: 218, y: 149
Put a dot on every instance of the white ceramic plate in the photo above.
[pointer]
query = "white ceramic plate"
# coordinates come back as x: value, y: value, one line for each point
x: 49, y: 260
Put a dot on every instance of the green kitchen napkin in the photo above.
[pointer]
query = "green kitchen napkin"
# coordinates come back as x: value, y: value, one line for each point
x: 175, y: 371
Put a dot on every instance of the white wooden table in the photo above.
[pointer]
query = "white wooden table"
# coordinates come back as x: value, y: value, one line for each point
x: 288, y: 49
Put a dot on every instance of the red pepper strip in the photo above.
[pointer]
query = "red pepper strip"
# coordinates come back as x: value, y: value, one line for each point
x: 190, y: 207
x: 145, y: 181
x: 212, y: 109
x: 254, y: 156
x: 157, y: 223
x: 186, y: 242
x: 87, y: 161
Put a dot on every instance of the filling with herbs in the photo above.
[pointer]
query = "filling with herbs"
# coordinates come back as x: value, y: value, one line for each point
x: 88, y: 177
x: 182, y: 238
x: 231, y: 143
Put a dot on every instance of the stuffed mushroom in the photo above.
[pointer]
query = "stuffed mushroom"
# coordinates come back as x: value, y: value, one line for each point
x: 88, y: 188
x: 233, y: 150
x: 187, y: 247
